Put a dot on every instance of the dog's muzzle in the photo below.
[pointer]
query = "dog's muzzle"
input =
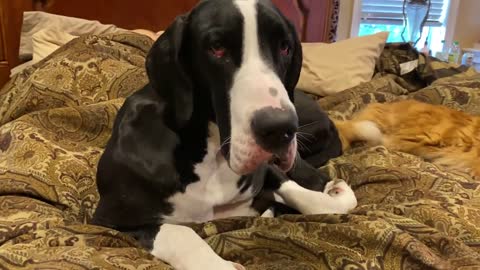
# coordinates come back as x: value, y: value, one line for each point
x: 274, y: 131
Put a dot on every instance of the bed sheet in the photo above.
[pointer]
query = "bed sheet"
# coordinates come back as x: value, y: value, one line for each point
x: 56, y: 117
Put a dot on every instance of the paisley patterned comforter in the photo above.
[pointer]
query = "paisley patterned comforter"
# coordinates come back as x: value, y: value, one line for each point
x: 56, y: 117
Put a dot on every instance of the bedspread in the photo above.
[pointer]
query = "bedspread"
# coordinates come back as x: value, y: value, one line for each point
x: 56, y: 117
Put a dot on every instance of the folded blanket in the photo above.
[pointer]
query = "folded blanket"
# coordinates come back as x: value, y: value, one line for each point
x: 56, y: 117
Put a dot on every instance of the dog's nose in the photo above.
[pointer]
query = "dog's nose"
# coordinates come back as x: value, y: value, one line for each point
x: 274, y: 128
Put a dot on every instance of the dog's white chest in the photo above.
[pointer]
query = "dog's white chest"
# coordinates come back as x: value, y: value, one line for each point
x: 217, y: 189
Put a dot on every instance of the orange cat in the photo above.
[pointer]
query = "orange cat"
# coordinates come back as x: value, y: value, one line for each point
x: 436, y: 133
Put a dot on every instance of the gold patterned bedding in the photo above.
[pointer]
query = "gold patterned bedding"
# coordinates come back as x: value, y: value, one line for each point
x: 56, y: 117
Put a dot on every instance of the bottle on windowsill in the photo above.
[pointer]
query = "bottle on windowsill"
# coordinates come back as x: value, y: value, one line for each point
x: 442, y: 55
x: 454, y: 53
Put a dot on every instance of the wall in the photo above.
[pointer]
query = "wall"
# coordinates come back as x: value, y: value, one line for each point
x: 467, y: 28
x: 345, y: 19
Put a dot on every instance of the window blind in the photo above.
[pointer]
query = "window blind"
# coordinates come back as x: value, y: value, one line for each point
x: 391, y: 12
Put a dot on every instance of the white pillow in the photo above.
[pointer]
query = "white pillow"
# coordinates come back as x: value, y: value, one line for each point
x: 331, y: 68
x: 148, y: 33
x: 44, y: 42
x: 34, y: 21
x: 47, y: 41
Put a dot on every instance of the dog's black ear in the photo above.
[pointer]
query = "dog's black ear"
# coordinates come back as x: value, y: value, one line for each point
x: 167, y: 73
x: 293, y: 72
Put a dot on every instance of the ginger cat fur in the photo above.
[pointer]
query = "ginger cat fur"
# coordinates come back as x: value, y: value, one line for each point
x: 434, y: 132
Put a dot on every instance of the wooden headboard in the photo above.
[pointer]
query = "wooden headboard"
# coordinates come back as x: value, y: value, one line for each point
x: 312, y: 18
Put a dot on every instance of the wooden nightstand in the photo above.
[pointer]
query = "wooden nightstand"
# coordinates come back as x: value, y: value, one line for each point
x: 10, y: 27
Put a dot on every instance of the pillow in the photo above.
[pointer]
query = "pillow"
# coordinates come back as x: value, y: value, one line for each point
x: 34, y: 21
x: 331, y: 68
x: 43, y: 43
x: 149, y: 33
x: 43, y: 33
x: 46, y: 41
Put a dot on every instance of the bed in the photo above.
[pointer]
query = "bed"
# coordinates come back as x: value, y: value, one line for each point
x: 56, y: 117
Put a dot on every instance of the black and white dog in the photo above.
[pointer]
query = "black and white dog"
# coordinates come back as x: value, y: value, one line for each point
x: 213, y: 134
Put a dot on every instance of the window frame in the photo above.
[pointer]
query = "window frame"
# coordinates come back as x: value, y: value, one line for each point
x: 450, y: 20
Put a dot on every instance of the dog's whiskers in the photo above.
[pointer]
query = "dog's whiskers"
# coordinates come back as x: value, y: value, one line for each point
x: 305, y: 133
x: 309, y: 124
x: 303, y: 139
x: 304, y: 136
x: 224, y: 143
x: 227, y: 140
x: 302, y: 145
x: 295, y: 162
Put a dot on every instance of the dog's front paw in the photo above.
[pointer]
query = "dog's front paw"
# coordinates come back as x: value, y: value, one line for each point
x: 269, y: 213
x: 341, y: 191
x: 238, y: 266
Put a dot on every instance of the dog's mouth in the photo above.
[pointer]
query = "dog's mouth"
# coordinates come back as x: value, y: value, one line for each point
x: 280, y: 162
x: 246, y: 160
x: 285, y: 161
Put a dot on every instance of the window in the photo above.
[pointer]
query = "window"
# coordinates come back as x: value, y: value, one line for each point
x: 372, y: 16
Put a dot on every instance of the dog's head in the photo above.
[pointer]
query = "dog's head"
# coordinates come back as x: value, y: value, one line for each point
x: 245, y: 56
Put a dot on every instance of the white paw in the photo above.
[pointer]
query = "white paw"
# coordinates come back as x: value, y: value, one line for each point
x: 342, y: 192
x: 238, y: 266
x: 214, y: 265
x: 269, y: 213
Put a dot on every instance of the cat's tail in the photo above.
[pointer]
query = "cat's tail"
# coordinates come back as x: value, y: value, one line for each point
x: 351, y: 131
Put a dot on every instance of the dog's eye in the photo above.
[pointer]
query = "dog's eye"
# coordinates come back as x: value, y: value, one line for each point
x: 217, y: 50
x: 285, y: 48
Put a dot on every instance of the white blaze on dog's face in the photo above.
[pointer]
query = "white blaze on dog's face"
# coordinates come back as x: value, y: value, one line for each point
x: 250, y: 78
x: 263, y: 118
